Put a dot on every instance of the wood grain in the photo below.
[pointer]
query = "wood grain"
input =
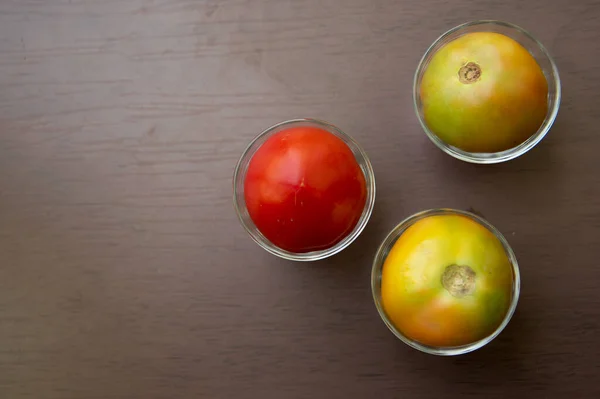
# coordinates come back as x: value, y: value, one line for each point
x: 124, y: 272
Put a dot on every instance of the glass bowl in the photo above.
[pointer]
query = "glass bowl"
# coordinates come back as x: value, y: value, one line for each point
x: 539, y: 53
x: 382, y: 254
x: 240, y: 205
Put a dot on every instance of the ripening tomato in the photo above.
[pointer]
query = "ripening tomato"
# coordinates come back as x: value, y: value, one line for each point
x: 483, y: 92
x: 447, y: 281
x: 304, y: 189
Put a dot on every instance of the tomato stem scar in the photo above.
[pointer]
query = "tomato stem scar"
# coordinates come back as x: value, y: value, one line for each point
x: 459, y: 281
x: 469, y: 73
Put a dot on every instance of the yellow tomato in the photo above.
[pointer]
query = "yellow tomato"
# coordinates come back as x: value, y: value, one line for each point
x: 447, y: 281
x: 483, y: 92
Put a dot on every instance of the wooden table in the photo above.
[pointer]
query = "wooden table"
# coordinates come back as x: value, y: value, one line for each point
x: 124, y: 272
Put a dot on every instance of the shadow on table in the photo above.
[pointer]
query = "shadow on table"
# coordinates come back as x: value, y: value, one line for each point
x: 518, y: 180
x: 498, y: 365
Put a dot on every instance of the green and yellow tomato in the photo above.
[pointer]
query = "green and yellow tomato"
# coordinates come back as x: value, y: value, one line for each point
x: 483, y: 92
x: 447, y: 281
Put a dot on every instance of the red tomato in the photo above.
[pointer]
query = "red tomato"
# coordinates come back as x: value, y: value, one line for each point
x: 304, y: 189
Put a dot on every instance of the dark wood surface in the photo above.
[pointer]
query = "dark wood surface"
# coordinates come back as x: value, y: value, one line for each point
x: 124, y: 272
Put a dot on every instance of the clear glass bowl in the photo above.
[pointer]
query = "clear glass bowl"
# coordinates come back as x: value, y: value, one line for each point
x: 240, y: 205
x: 382, y: 254
x: 535, y: 48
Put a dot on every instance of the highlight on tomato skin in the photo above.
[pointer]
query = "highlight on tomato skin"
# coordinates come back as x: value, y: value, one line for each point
x: 304, y: 189
x: 446, y: 282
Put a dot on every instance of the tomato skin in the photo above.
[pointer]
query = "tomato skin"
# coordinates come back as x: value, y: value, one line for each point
x: 413, y: 294
x: 500, y: 110
x: 304, y: 189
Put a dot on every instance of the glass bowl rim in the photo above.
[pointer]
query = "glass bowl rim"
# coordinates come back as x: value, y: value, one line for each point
x: 494, y: 157
x: 379, y: 261
x: 361, y: 158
